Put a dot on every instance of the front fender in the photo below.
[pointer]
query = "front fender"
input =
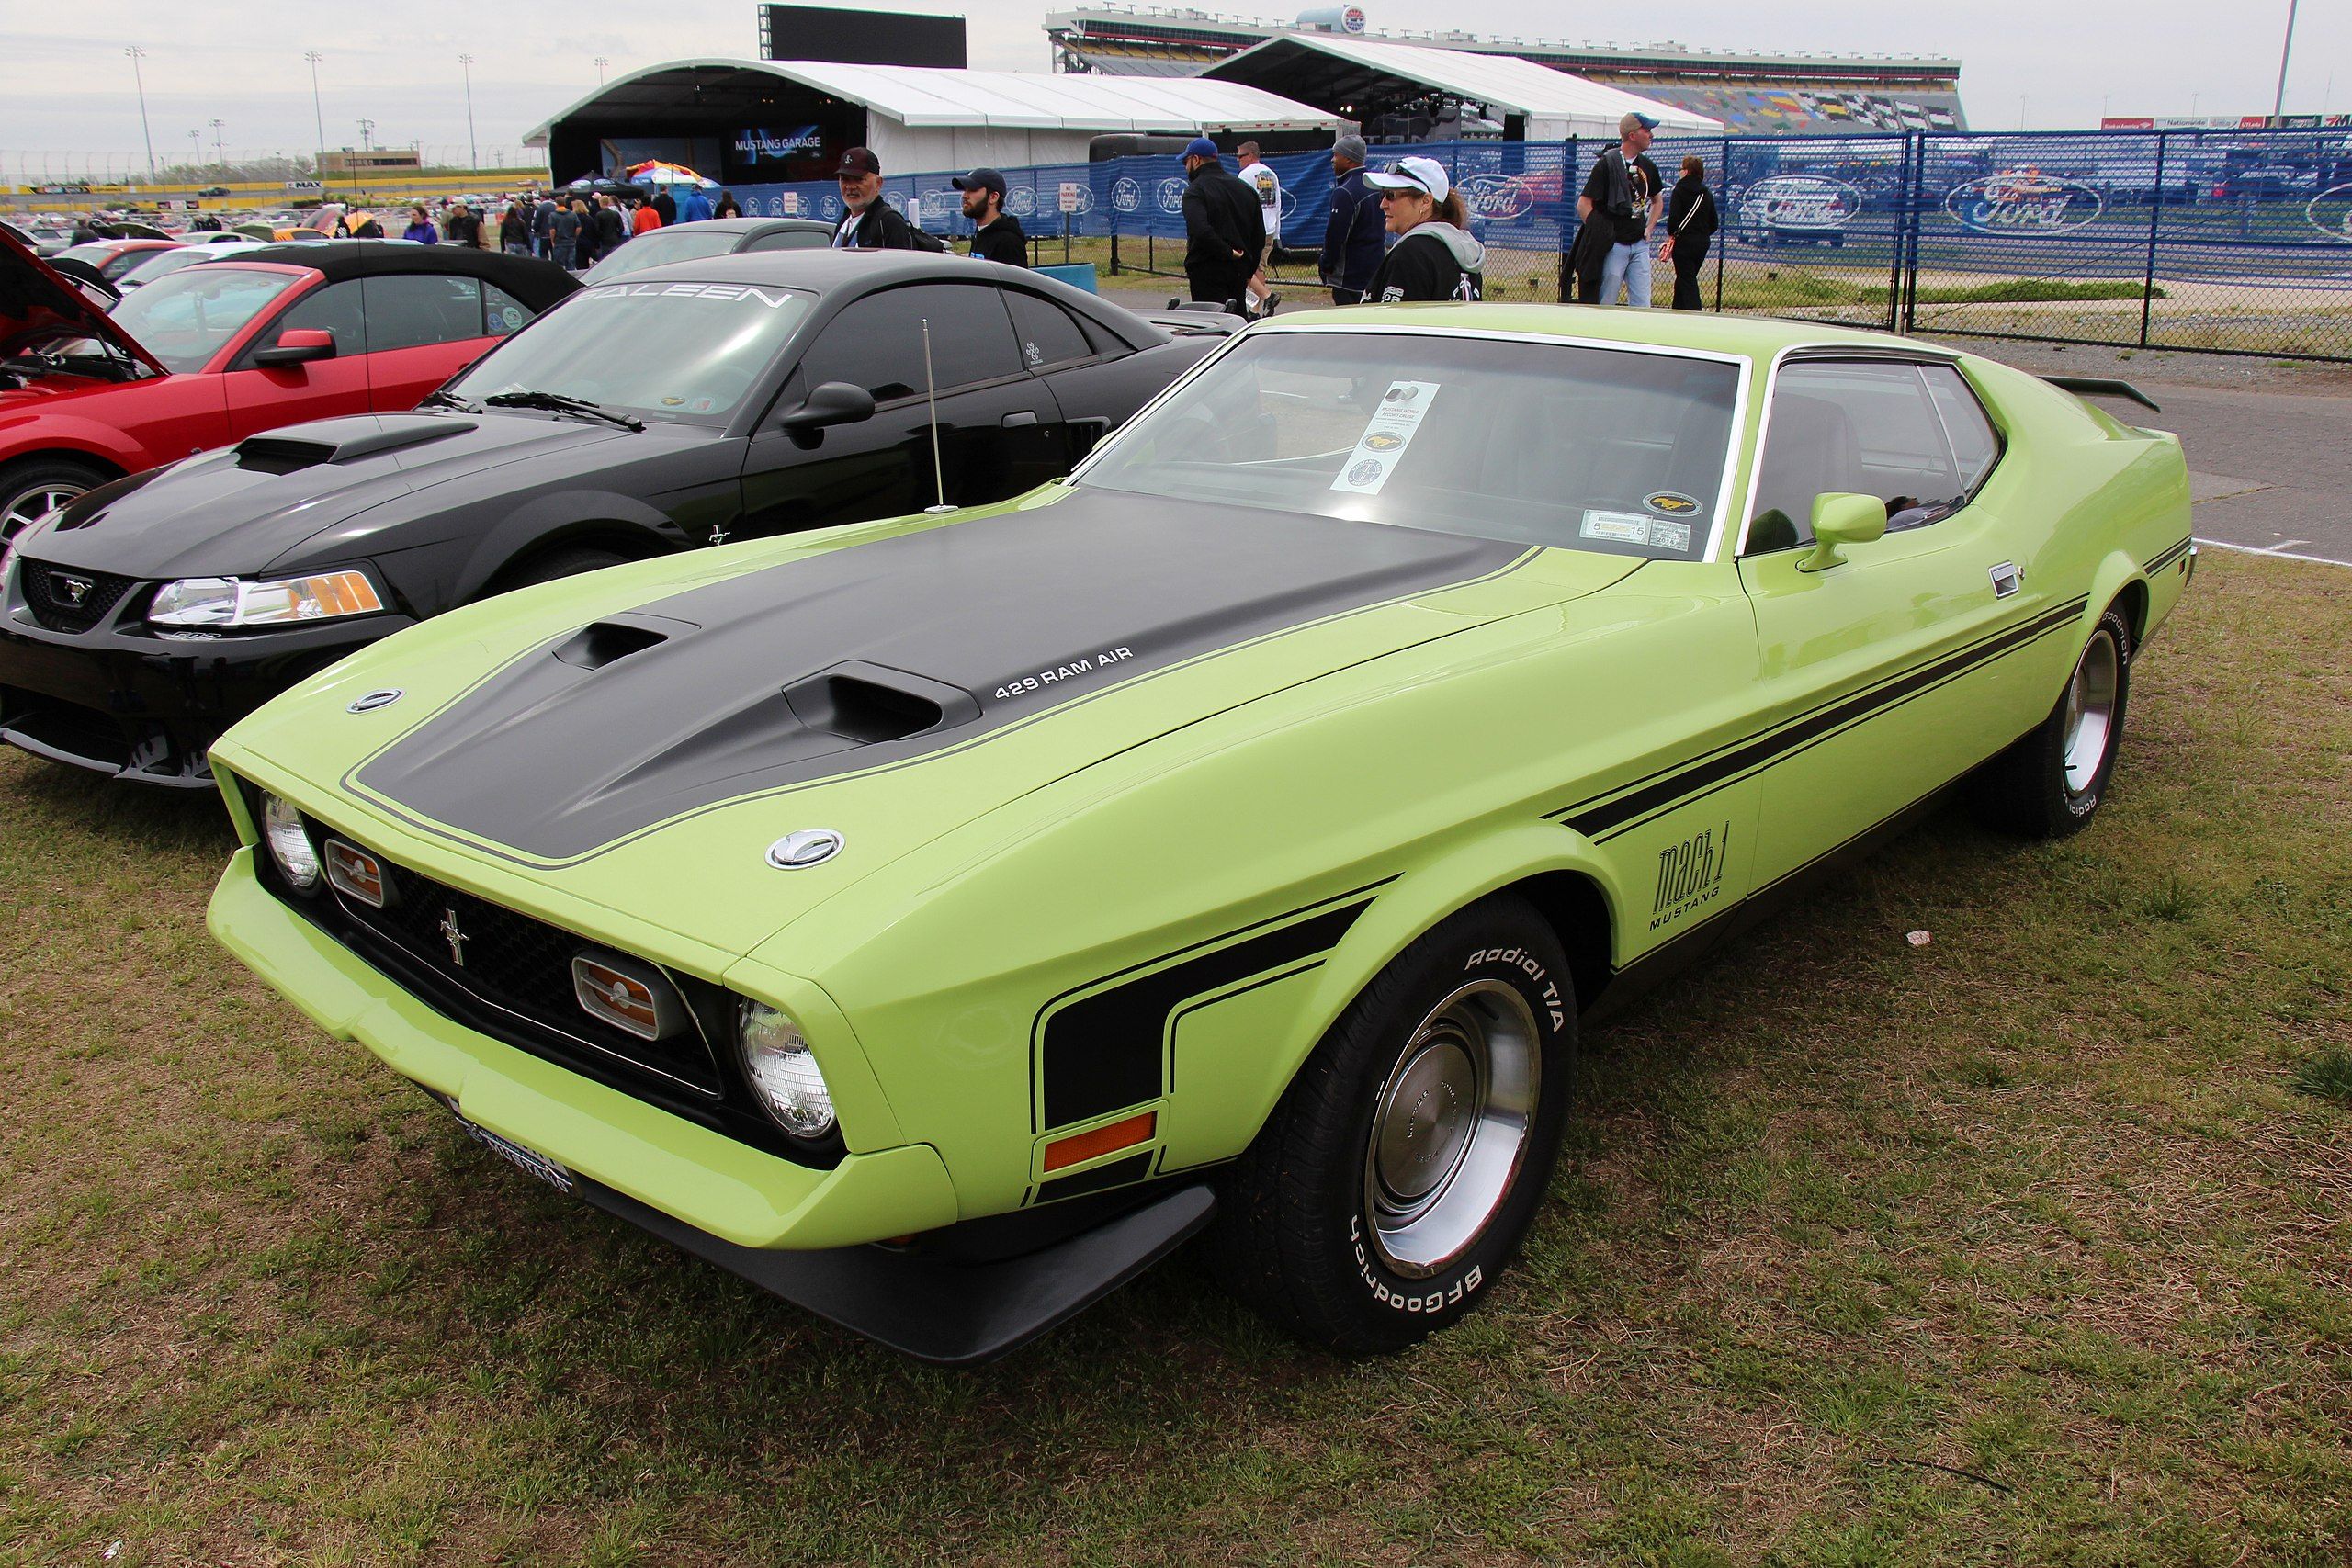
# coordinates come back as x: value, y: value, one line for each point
x: 70, y: 436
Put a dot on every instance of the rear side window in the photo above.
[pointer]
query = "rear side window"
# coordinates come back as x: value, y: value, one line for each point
x: 1867, y: 427
x: 1047, y: 334
x: 502, y: 313
x: 790, y: 239
x: 876, y: 343
x: 1974, y: 443
x: 414, y: 309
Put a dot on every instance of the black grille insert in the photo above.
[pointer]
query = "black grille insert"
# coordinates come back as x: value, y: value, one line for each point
x: 66, y: 600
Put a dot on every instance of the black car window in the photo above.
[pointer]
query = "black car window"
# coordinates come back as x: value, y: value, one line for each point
x: 790, y: 239
x: 876, y: 343
x: 1847, y: 427
x: 502, y: 313
x: 412, y: 310
x: 1047, y: 334
x: 334, y: 309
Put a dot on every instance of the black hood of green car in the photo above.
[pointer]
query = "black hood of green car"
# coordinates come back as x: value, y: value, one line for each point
x: 882, y: 653
x: 248, y: 508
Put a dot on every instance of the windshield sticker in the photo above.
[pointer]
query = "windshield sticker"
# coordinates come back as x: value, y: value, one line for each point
x: 1385, y: 437
x: 726, y: 291
x: 1672, y: 503
x: 1617, y: 528
x: 1675, y: 536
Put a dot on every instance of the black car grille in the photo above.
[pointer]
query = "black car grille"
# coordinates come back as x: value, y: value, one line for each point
x: 50, y: 593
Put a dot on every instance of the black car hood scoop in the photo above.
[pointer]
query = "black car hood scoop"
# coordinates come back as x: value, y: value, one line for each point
x: 880, y: 653
x: 345, y: 441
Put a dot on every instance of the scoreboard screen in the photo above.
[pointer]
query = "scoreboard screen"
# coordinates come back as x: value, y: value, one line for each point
x: 861, y: 38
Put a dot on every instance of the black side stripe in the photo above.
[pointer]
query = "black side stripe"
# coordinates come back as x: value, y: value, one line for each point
x: 1103, y: 1052
x: 1744, y: 756
x: 2170, y: 556
x: 1118, y: 1173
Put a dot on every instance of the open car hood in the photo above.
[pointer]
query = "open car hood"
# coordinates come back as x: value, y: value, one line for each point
x: 36, y: 298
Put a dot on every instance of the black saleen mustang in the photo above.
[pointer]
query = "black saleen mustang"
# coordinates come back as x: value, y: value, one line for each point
x: 686, y: 405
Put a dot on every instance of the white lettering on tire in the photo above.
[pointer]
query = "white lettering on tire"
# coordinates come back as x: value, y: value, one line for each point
x: 1436, y: 1300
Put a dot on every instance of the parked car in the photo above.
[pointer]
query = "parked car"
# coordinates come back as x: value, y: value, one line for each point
x: 203, y: 357
x: 718, y: 399
x: 162, y: 263
x: 112, y: 258
x: 935, y: 921
x: 713, y: 237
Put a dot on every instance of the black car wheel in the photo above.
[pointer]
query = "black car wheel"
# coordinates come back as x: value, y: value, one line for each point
x: 1406, y: 1160
x: 2051, y: 782
x: 31, y: 488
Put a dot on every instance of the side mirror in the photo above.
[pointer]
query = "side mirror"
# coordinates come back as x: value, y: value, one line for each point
x: 1842, y: 519
x: 295, y: 345
x: 831, y: 403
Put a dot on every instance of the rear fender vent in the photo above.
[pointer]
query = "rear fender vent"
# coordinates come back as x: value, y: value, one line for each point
x: 871, y: 704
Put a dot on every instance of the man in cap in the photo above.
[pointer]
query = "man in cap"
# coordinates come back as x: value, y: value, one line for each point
x: 1223, y: 231
x: 1260, y: 176
x: 871, y: 223
x: 997, y: 234
x: 1353, y: 235
x: 1623, y: 194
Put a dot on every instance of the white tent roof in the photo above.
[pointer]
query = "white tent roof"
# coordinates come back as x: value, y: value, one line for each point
x: 927, y: 96
x: 1503, y: 82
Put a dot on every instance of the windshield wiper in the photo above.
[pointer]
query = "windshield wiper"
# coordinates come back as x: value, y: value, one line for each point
x: 557, y: 402
x: 443, y: 400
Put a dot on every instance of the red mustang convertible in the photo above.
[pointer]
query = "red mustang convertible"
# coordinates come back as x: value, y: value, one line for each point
x: 214, y: 353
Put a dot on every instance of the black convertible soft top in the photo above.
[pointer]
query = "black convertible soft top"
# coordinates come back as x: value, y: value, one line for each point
x: 538, y: 284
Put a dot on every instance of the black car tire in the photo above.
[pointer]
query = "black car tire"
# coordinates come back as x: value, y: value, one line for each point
x: 26, y: 482
x: 553, y: 564
x: 1308, y: 1229
x: 2027, y: 789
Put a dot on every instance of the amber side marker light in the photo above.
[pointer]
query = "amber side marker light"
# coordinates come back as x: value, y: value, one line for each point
x: 1082, y: 1147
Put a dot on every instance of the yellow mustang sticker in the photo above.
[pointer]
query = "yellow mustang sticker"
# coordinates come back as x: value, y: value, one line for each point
x: 1671, y: 503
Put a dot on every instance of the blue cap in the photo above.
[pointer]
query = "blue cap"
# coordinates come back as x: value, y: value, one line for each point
x: 1201, y: 147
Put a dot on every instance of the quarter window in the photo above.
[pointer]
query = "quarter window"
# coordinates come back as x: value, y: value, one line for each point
x: 876, y: 343
x: 1872, y: 428
x: 414, y: 309
x: 1047, y: 334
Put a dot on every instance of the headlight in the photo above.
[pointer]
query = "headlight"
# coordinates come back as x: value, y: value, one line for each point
x: 230, y: 601
x: 289, y: 843
x: 783, y: 1071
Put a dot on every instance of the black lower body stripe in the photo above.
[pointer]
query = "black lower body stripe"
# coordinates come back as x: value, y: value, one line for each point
x: 2170, y: 556
x: 1647, y: 797
x: 1118, y: 1173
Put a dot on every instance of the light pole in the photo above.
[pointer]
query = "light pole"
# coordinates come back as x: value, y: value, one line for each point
x: 473, y: 153
x: 219, y: 151
x: 318, y: 115
x: 2279, y: 103
x: 136, y: 54
x: 195, y: 150
x: 601, y: 63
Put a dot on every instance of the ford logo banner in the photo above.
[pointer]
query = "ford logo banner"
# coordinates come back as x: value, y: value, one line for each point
x: 1498, y: 199
x: 2024, y: 201
x: 1127, y: 194
x: 1809, y: 203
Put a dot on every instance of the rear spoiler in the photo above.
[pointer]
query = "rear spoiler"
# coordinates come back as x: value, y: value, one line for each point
x: 2102, y: 386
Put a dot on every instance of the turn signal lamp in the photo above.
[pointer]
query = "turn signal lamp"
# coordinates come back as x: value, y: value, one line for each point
x: 1080, y: 1147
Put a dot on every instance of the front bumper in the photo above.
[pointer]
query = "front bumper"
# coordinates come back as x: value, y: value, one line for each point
x: 144, y: 707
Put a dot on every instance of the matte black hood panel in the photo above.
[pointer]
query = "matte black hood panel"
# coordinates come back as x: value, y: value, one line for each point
x: 223, y: 513
x: 882, y: 652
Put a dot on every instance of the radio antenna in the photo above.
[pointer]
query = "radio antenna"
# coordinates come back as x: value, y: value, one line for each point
x: 931, y: 401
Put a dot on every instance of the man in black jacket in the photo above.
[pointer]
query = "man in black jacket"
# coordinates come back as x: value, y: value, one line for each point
x: 1355, y: 235
x: 1223, y: 229
x: 871, y: 224
x: 666, y: 205
x: 997, y: 234
x: 611, y: 227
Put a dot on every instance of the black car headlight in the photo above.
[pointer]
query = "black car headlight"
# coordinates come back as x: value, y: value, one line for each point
x: 283, y: 830
x: 233, y: 601
x: 783, y: 1070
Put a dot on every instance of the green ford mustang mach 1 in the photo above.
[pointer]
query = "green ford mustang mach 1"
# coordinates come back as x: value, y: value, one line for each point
x: 937, y: 921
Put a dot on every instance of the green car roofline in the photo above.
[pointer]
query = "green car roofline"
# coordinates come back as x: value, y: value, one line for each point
x: 712, y: 1183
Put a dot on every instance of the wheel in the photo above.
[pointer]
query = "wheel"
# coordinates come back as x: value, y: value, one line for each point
x: 1404, y: 1162
x: 2050, y: 784
x: 33, y: 487
x: 555, y: 564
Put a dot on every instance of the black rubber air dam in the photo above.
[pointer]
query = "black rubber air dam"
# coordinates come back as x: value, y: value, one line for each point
x: 985, y: 623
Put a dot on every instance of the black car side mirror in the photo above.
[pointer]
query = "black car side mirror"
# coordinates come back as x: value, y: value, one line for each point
x: 833, y: 402
x: 295, y: 345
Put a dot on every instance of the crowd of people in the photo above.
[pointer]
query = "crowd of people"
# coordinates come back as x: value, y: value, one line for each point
x: 576, y: 229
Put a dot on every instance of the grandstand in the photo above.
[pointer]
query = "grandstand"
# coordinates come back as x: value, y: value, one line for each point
x: 1755, y: 92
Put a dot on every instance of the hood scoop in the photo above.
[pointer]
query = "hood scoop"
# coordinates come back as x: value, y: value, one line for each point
x: 343, y: 441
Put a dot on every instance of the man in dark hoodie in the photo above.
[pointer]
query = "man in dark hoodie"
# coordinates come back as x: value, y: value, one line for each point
x: 1355, y: 234
x: 1223, y: 231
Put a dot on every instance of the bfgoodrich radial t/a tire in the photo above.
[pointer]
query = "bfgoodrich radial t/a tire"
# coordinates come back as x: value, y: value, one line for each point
x: 1406, y: 1159
x: 2051, y: 782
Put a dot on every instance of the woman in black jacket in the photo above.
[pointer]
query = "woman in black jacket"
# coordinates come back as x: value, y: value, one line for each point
x: 728, y: 207
x: 1435, y: 256
x: 1689, y: 225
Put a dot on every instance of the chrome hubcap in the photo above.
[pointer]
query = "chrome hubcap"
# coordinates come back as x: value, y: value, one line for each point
x: 29, y: 507
x: 1449, y: 1127
x: 2090, y: 712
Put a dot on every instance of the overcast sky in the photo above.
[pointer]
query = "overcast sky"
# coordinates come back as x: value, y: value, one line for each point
x: 65, y: 86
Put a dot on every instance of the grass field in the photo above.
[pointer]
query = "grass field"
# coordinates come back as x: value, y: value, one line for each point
x: 2028, y: 1245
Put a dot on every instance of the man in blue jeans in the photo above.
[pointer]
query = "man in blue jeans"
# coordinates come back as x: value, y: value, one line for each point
x: 1624, y: 192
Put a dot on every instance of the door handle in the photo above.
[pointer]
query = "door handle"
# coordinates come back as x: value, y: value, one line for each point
x: 1019, y: 417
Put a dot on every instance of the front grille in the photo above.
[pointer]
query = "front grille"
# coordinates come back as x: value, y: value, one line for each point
x: 518, y: 964
x: 65, y: 600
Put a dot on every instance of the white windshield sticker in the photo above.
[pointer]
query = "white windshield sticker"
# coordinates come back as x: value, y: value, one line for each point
x: 1618, y: 527
x: 1390, y: 431
x: 1675, y: 536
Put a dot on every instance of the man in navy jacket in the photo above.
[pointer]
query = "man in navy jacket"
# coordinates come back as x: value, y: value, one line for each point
x: 1356, y: 234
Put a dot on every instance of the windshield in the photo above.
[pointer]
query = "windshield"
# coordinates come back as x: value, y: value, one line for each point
x: 660, y: 249
x: 187, y: 317
x: 163, y: 263
x: 672, y: 351
x: 1612, y: 450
